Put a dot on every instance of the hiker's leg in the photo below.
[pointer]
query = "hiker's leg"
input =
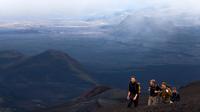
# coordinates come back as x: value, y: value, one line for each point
x: 136, y: 102
x: 130, y: 103
x: 149, y: 101
x: 157, y: 99
x: 154, y: 100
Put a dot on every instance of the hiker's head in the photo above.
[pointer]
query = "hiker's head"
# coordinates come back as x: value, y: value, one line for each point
x: 174, y: 89
x: 164, y: 85
x: 152, y: 82
x: 133, y: 79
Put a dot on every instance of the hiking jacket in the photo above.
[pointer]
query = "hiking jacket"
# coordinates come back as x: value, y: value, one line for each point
x: 134, y: 88
x: 175, y: 97
x: 166, y: 95
x: 153, y: 90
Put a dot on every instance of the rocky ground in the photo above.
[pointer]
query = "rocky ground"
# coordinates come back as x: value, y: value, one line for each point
x: 104, y: 99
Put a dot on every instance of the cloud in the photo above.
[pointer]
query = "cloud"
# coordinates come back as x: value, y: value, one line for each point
x: 77, y: 8
x: 68, y: 7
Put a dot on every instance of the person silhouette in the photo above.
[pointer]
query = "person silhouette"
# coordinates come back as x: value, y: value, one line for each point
x: 133, y: 92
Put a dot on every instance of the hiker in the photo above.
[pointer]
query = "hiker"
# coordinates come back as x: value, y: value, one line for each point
x: 166, y: 93
x: 175, y: 96
x: 133, y: 92
x: 154, y: 91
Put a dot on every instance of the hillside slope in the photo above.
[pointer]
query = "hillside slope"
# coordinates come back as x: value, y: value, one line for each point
x: 9, y: 57
x: 113, y: 100
x: 44, y: 79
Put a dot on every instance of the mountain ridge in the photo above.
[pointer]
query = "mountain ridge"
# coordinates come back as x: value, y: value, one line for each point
x: 45, y: 79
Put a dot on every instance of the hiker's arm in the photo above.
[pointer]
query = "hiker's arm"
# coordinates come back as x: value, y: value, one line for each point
x: 157, y: 91
x: 129, y: 93
x: 149, y: 89
x: 136, y: 95
x: 128, y: 96
x: 178, y: 97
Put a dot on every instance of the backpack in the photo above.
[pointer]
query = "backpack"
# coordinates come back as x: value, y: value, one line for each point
x: 169, y: 91
x: 139, y: 86
x: 166, y: 93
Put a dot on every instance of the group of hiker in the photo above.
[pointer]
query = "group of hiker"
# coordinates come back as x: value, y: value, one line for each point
x: 157, y: 94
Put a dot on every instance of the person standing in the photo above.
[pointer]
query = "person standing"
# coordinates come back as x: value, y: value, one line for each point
x: 154, y: 90
x: 166, y: 93
x: 175, y: 96
x: 133, y: 92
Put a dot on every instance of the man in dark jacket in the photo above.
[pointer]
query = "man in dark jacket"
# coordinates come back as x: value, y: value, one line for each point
x: 154, y: 90
x: 133, y: 92
x: 175, y: 96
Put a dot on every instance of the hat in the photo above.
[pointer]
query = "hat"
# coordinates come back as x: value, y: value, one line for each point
x: 164, y: 83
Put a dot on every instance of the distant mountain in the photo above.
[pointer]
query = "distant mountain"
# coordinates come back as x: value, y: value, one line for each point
x: 9, y: 57
x: 47, y: 78
x: 50, y: 62
x: 114, y: 100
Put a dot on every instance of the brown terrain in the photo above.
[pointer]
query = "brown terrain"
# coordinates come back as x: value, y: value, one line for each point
x: 104, y: 99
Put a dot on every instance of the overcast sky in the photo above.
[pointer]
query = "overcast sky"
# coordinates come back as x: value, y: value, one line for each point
x: 79, y: 8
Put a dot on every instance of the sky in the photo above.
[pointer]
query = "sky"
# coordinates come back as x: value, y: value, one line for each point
x: 80, y: 8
